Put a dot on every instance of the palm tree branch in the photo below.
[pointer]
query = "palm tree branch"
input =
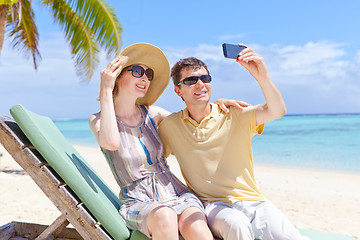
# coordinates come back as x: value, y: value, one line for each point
x: 102, y: 20
x: 24, y: 33
x: 8, y: 2
x: 83, y: 45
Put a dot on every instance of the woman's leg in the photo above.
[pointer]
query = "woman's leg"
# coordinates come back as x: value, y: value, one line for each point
x: 193, y: 225
x: 162, y: 223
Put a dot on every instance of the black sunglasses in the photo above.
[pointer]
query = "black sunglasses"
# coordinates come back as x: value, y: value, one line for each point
x: 193, y: 80
x: 138, y: 71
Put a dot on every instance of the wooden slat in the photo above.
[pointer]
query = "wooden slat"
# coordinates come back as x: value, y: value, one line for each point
x: 27, y: 231
x: 76, y: 202
x: 35, y: 157
x: 10, y: 128
x: 103, y: 233
x: 52, y: 175
x: 6, y: 231
x: 54, y: 229
x: 70, y: 195
x: 31, y: 231
x: 85, y: 213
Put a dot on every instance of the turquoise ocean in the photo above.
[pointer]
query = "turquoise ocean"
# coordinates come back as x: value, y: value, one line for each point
x: 327, y: 141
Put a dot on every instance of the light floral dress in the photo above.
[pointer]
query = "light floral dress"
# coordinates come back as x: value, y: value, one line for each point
x: 140, y: 169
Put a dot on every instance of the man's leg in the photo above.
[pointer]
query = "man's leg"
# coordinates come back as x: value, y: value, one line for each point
x: 228, y: 223
x: 269, y: 223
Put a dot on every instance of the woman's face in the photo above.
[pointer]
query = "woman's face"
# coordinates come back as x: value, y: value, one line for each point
x: 131, y: 85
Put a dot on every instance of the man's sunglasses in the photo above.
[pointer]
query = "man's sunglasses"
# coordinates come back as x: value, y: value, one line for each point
x: 193, y: 80
x: 138, y: 71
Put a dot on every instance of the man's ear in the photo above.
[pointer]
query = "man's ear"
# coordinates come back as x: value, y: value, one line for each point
x: 177, y: 90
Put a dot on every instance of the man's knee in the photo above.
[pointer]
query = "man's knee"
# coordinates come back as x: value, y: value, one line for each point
x: 270, y: 223
x: 229, y: 223
x: 236, y: 226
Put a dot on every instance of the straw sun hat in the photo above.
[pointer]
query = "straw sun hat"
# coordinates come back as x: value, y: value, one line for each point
x: 154, y: 58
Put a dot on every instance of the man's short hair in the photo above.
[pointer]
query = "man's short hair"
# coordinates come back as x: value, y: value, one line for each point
x: 189, y: 62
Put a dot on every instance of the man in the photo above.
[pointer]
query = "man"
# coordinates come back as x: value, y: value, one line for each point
x: 214, y: 151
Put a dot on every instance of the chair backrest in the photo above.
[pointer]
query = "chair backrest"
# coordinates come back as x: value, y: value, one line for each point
x: 73, y: 169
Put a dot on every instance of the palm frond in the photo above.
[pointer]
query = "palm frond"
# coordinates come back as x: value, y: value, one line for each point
x: 8, y: 2
x: 101, y: 19
x: 15, y: 12
x: 24, y: 32
x: 82, y: 42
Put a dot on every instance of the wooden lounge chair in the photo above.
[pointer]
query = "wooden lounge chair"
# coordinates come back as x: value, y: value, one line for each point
x: 82, y: 197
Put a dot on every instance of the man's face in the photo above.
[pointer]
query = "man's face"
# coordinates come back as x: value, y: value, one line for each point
x: 197, y: 93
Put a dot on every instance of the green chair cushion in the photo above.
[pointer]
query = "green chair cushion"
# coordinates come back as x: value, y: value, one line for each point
x: 319, y: 235
x: 73, y: 169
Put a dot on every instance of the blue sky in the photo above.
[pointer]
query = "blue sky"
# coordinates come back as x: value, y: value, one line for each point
x: 312, y: 50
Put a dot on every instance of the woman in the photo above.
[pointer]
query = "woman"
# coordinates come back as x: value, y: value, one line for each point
x: 153, y: 200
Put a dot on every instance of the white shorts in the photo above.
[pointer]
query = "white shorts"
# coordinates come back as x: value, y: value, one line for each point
x: 250, y: 220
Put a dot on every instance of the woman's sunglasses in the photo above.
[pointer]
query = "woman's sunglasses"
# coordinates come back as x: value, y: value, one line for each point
x: 193, y: 80
x: 138, y: 71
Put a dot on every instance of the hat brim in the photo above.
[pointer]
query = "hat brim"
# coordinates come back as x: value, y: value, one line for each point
x: 154, y: 58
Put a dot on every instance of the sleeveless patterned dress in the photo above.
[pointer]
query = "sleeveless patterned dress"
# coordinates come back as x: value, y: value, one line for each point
x: 140, y: 169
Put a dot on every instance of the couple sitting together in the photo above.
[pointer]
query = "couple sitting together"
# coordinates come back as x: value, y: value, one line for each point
x: 211, y: 143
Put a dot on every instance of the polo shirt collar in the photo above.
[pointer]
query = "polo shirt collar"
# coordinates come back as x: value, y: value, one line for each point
x: 215, y: 111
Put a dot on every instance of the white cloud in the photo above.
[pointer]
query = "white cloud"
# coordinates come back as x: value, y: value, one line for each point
x: 319, y: 60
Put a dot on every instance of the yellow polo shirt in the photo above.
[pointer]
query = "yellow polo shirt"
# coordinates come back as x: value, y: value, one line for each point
x: 215, y: 156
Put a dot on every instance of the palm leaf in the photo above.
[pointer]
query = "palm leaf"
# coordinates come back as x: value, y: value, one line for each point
x: 24, y: 34
x: 8, y: 2
x: 15, y: 12
x: 101, y: 19
x: 82, y: 42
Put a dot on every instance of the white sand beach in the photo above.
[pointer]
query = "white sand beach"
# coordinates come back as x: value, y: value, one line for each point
x: 312, y: 199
